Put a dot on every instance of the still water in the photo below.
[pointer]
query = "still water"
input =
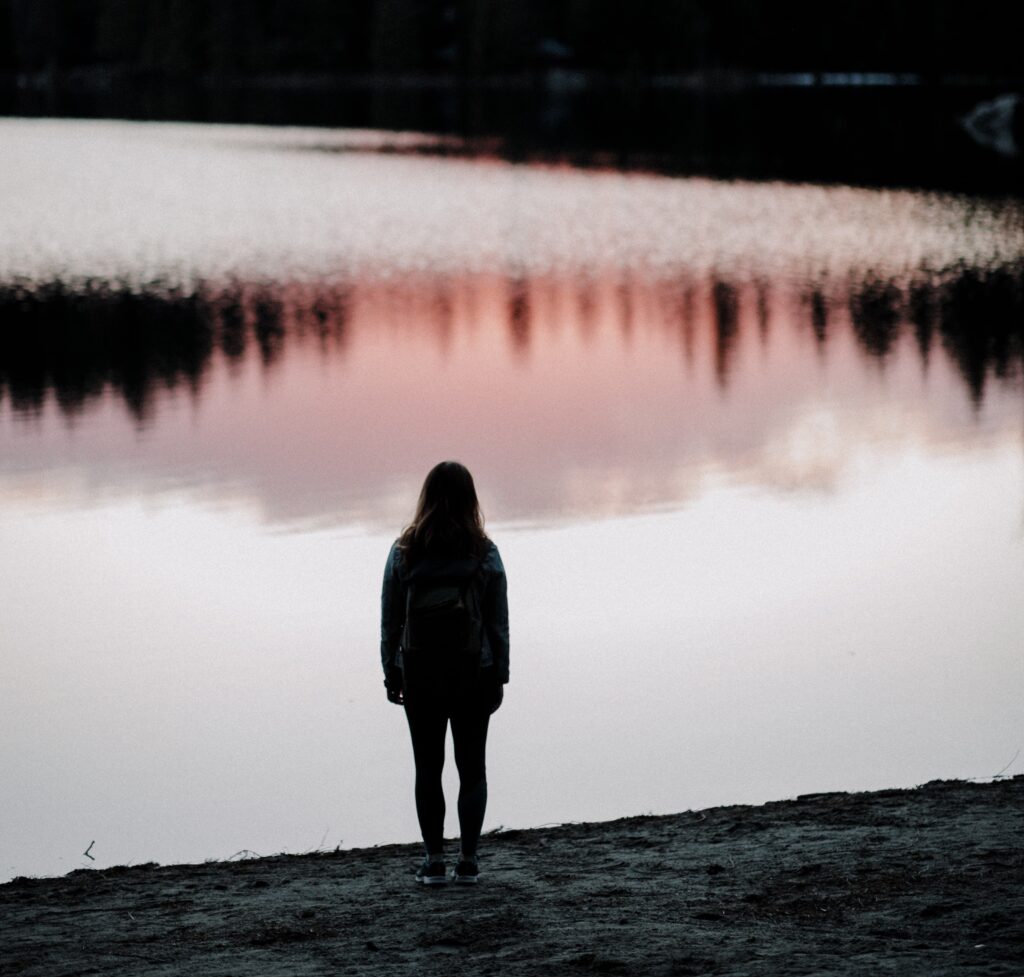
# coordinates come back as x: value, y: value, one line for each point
x: 753, y: 453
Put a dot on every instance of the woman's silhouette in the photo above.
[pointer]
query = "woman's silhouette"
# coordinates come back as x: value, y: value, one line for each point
x: 445, y: 649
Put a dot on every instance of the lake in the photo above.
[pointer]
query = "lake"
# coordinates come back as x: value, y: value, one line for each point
x: 753, y: 453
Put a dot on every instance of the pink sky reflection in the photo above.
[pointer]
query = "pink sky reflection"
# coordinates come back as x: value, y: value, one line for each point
x: 568, y: 402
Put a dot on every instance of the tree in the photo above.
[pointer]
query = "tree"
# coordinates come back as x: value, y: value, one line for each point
x: 397, y: 40
x: 119, y: 31
x: 35, y: 34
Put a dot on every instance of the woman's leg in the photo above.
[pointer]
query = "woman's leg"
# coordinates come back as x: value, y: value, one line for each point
x: 428, y: 724
x: 469, y: 731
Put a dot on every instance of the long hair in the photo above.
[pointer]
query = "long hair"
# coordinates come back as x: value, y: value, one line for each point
x: 448, y: 521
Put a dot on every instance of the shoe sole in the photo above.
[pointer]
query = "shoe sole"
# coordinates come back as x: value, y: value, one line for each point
x: 465, y: 879
x: 434, y: 879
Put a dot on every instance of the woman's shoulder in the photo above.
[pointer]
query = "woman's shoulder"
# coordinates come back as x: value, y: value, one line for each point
x: 491, y: 560
x: 394, y: 560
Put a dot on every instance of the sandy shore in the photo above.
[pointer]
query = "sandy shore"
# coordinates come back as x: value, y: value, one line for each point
x: 926, y: 881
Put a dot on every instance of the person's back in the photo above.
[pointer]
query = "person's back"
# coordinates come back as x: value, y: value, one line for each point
x: 445, y: 653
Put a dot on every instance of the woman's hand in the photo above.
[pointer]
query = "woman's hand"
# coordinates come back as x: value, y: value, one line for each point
x: 495, y: 698
x: 394, y: 683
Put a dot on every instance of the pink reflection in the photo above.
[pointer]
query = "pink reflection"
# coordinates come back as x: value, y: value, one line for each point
x: 570, y: 397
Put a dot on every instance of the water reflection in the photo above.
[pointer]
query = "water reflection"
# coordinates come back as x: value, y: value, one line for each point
x: 235, y: 312
x: 78, y: 345
x: 604, y: 395
x: 122, y: 202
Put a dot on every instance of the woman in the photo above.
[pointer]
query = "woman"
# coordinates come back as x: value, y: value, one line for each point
x: 444, y: 647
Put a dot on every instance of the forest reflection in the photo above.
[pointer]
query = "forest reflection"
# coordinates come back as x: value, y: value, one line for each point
x: 77, y: 343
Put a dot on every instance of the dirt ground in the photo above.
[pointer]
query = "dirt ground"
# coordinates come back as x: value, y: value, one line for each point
x: 920, y: 882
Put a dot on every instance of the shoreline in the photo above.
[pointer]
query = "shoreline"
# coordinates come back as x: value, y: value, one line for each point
x: 928, y: 879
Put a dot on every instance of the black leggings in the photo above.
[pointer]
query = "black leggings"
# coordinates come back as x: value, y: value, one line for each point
x: 433, y: 698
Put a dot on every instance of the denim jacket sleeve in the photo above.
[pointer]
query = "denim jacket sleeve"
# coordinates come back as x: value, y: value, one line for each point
x: 495, y: 613
x: 392, y: 613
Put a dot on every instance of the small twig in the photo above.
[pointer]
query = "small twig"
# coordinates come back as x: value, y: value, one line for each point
x: 244, y: 853
x: 1007, y: 767
x: 91, y: 843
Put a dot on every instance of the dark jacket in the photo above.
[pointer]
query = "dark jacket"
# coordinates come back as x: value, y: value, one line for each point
x: 493, y: 597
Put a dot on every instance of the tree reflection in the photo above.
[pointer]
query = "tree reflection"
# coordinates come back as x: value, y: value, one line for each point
x: 77, y: 344
x: 519, y: 314
x: 819, y: 315
x: 981, y: 321
x: 921, y: 300
x: 228, y: 312
x: 726, y: 306
x: 875, y: 309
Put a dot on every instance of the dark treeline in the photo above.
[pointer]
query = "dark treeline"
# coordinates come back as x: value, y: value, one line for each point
x: 78, y: 344
x: 478, y: 38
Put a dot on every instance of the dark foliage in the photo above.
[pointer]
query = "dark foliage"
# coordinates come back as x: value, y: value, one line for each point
x: 484, y: 37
